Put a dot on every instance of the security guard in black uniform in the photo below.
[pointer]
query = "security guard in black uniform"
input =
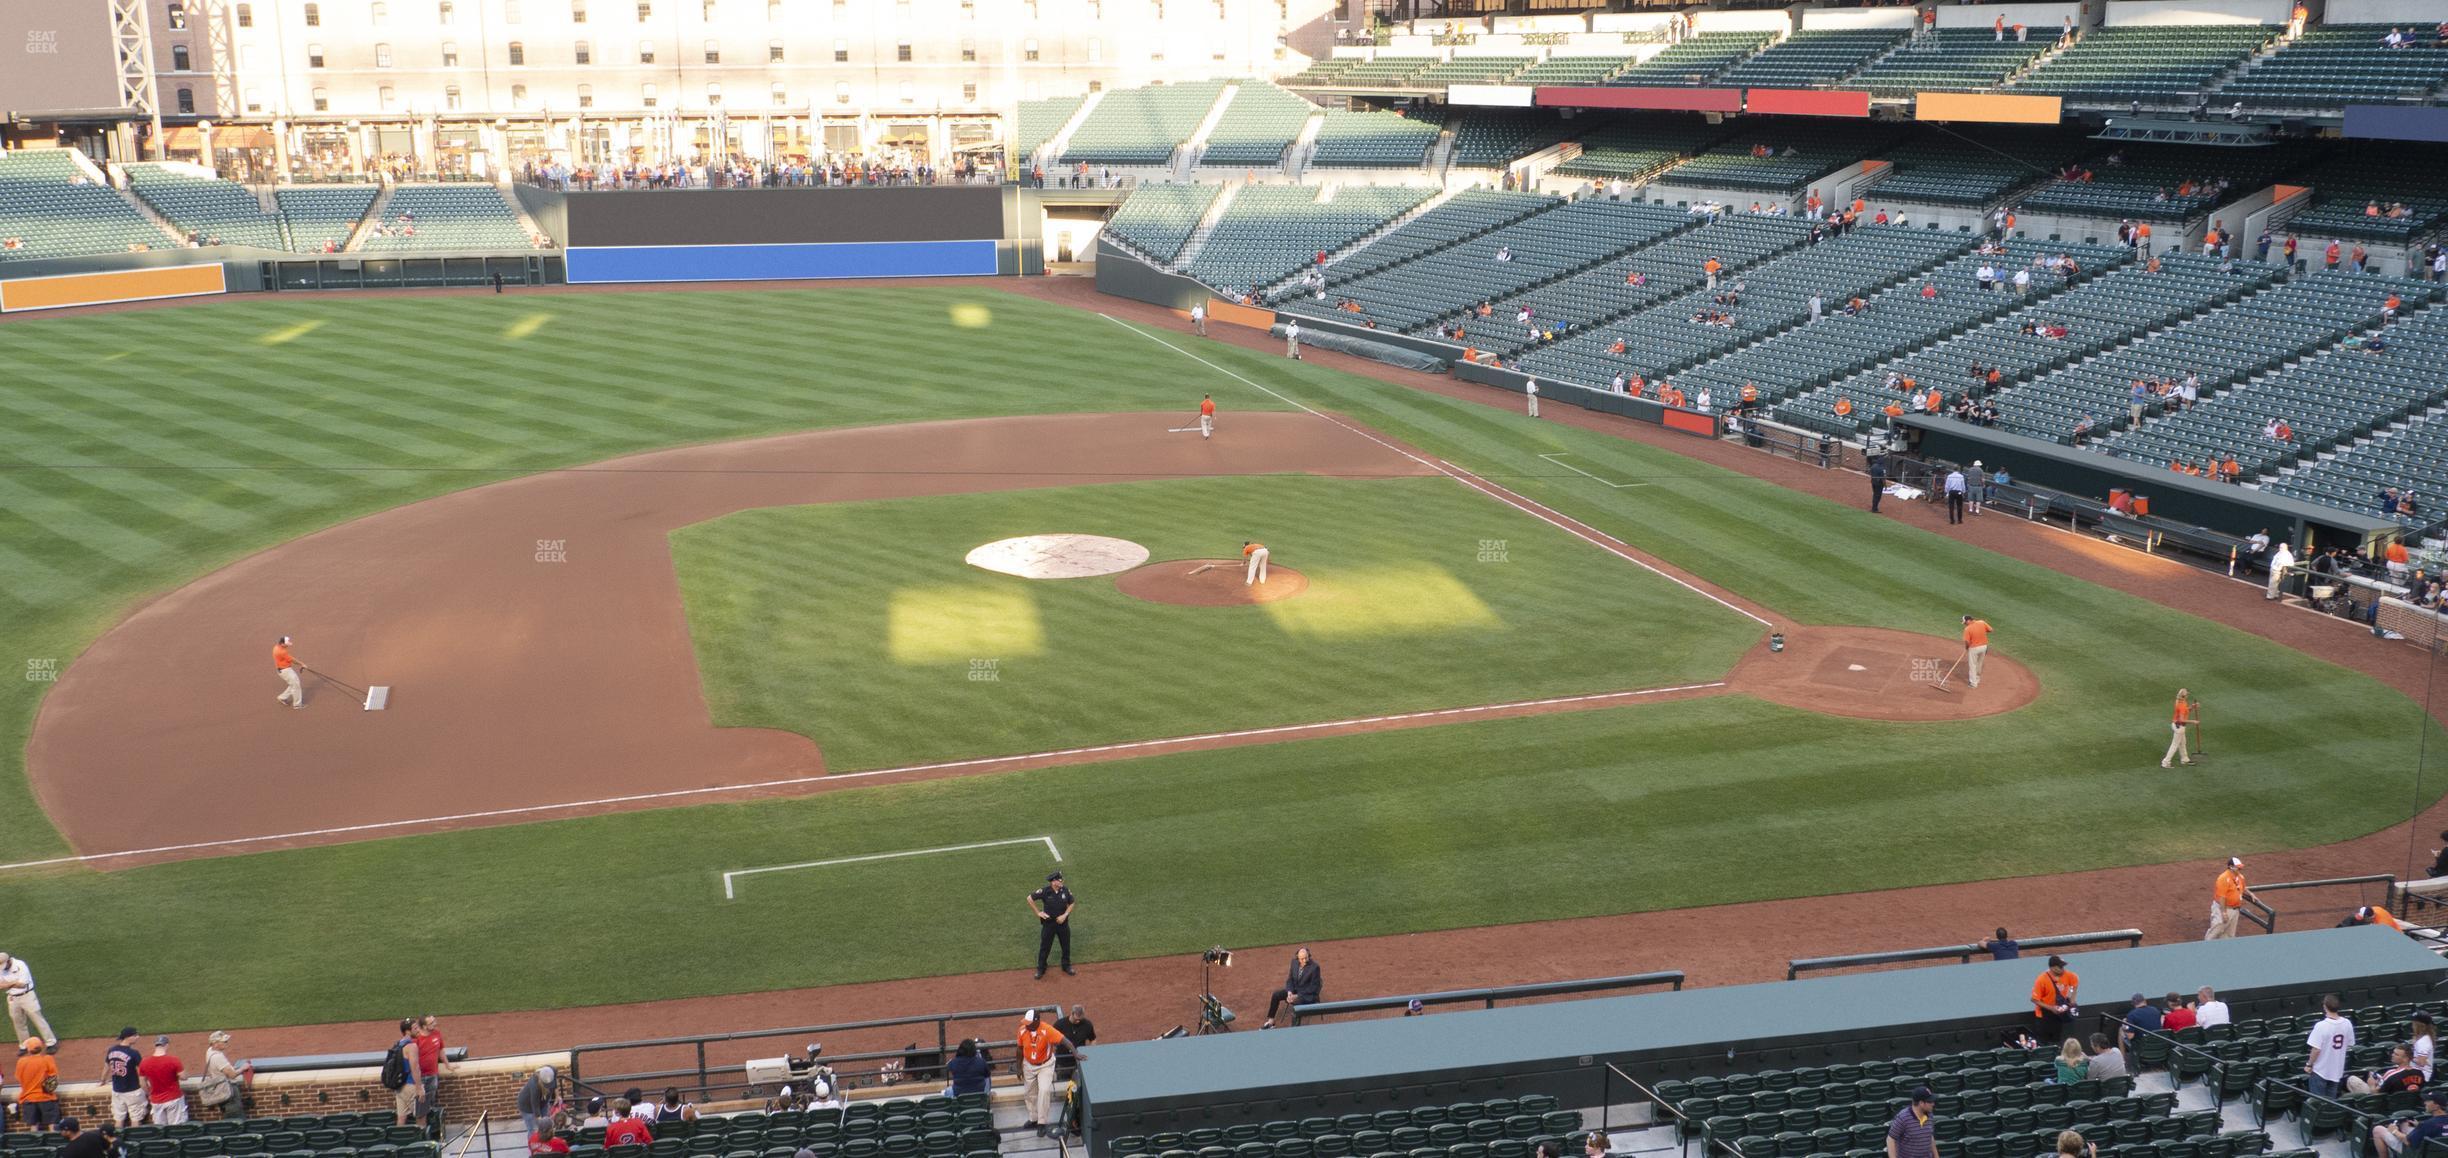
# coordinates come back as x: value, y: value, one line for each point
x: 1053, y: 905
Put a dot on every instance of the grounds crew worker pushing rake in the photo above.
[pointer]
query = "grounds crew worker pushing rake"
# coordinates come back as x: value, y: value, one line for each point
x: 293, y: 693
x: 1254, y: 572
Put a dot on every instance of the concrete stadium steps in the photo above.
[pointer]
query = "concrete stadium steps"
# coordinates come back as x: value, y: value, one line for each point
x: 1204, y: 229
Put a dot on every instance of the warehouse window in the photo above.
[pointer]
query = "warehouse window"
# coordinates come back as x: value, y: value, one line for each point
x: 322, y: 100
x: 518, y: 52
x: 314, y: 16
x: 586, y: 96
x: 186, y: 100
x: 179, y: 60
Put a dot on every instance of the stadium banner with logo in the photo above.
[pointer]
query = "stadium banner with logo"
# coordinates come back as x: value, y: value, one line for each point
x: 1794, y: 102
x: 1988, y: 109
x: 1697, y: 100
x: 67, y: 290
x: 2396, y: 123
x: 1514, y: 96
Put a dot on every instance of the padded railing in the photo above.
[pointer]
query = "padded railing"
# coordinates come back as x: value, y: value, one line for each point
x: 1487, y: 998
x: 1960, y: 953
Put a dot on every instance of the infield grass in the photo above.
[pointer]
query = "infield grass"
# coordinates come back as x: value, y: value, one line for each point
x: 121, y: 478
x: 860, y: 626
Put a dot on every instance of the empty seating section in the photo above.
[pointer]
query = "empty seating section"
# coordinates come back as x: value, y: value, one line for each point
x: 2342, y: 393
x: 1893, y: 321
x: 1385, y: 72
x: 49, y: 207
x: 319, y: 218
x: 362, y: 1135
x: 1585, y: 302
x: 1490, y: 139
x: 2277, y: 325
x: 1814, y: 58
x: 1469, y: 213
x: 2167, y: 183
x: 2353, y: 192
x: 2156, y: 65
x: 1322, y: 72
x: 1635, y: 150
x: 1349, y: 140
x: 2099, y: 314
x: 1665, y: 339
x: 209, y: 210
x: 1473, y: 70
x: 1496, y: 1128
x: 1573, y: 70
x: 1157, y: 219
x: 448, y: 217
x: 1268, y: 231
x: 2412, y: 459
x: 1943, y: 170
x: 1141, y: 126
x: 1256, y: 127
x: 1950, y: 59
x: 1040, y: 120
x: 1696, y: 60
x: 1793, y: 156
x: 1413, y: 295
x: 2336, y: 65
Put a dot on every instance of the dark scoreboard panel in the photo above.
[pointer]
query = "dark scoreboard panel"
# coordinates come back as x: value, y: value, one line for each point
x: 650, y: 217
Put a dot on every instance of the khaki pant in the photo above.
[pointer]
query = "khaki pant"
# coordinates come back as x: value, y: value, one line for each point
x: 404, y: 1102
x: 1972, y: 663
x: 26, y: 1016
x: 1206, y: 426
x: 170, y: 1113
x: 1199, y: 324
x: 2176, y: 747
x: 2222, y: 922
x: 1291, y: 346
x: 1533, y: 405
x: 1037, y: 1088
x: 128, y: 1109
x: 293, y: 693
x: 1257, y: 570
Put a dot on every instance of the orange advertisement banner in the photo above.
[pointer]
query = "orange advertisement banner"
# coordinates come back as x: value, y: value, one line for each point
x: 1688, y: 421
x: 1219, y: 310
x: 1987, y: 108
x: 123, y: 285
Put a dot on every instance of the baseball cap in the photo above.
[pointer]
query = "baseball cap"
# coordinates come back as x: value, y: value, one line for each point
x: 127, y: 1033
x: 1922, y: 1094
x: 70, y: 1123
x: 162, y: 1040
x: 31, y: 1044
x: 1031, y: 1015
x: 1053, y: 876
x: 2436, y: 1096
x: 1416, y: 1005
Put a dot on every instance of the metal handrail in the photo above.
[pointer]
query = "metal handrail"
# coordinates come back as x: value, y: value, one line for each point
x: 702, y: 1072
x: 1488, y: 997
x: 483, y: 1128
x: 2260, y: 912
x: 1962, y: 953
x: 1606, y: 1100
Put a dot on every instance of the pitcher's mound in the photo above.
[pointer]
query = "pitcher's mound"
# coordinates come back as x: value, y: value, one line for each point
x: 1217, y: 583
x: 1873, y: 673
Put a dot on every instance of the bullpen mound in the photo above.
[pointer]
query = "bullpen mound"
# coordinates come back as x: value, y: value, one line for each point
x: 1216, y: 583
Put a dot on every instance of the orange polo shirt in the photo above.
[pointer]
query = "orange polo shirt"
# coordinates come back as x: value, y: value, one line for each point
x: 2048, y: 991
x: 280, y: 656
x: 34, y: 1068
x: 2397, y: 552
x: 2181, y: 704
x: 1207, y: 407
x: 2230, y: 888
x: 1249, y: 549
x: 1037, y: 1045
x: 1976, y: 633
x: 2380, y: 916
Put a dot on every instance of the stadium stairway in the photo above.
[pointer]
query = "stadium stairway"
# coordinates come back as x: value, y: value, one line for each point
x: 373, y: 217
x: 1205, y: 228
x: 1049, y: 153
x: 1466, y: 214
x: 1336, y: 256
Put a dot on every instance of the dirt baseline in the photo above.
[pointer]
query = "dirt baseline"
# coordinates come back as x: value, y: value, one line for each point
x: 1208, y: 583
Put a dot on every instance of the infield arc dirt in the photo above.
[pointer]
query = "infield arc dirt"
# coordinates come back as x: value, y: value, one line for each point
x: 538, y: 650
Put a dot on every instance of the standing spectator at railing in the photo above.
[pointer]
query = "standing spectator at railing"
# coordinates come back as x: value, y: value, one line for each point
x: 539, y: 1098
x: 2331, y: 1040
x: 970, y: 1071
x: 37, y: 1087
x: 165, y: 1100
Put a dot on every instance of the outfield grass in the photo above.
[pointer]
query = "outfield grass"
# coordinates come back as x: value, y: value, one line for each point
x: 860, y: 626
x: 207, y: 444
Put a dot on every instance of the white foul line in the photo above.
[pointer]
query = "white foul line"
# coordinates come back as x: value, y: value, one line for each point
x: 1559, y: 461
x: 1590, y: 535
x: 734, y: 874
x: 906, y: 769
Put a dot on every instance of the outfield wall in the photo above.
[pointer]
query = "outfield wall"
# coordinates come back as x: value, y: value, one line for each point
x: 692, y: 235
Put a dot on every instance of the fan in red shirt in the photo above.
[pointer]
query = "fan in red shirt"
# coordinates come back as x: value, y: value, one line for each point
x: 2179, y: 1015
x: 625, y: 1130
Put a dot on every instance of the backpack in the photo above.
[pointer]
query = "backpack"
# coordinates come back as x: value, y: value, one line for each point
x: 395, y: 1066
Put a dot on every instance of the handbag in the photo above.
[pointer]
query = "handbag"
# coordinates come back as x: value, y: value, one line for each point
x: 217, y: 1088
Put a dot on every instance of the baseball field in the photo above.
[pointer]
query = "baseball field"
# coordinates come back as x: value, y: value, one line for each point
x: 670, y: 586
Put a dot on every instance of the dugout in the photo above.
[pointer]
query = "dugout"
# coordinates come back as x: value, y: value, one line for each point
x: 1563, y: 1048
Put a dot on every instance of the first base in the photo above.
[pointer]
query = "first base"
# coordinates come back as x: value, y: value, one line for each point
x: 377, y: 697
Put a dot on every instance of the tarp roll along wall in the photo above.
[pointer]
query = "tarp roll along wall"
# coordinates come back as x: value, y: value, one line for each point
x: 62, y: 291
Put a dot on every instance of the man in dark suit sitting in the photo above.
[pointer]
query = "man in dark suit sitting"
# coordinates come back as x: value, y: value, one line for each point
x: 1300, y: 986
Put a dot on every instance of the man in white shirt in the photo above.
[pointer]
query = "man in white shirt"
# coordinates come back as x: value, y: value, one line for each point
x: 1198, y: 319
x: 1616, y: 385
x: 2208, y: 1010
x: 25, y: 1011
x: 2281, y: 561
x: 1530, y: 391
x: 1292, y: 341
x: 2330, y: 1040
x: 2022, y: 281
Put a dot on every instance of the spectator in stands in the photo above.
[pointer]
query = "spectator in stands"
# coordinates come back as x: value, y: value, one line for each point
x: 2420, y: 1043
x: 2072, y: 1063
x: 165, y: 1101
x: 2107, y: 1061
x: 970, y: 1071
x: 98, y: 1142
x: 1909, y: 1133
x: 2179, y: 1016
x: 2053, y: 999
x: 624, y: 1129
x: 673, y: 1109
x: 2407, y: 1136
x: 2331, y: 1040
x: 37, y: 1086
x: 2397, y: 1077
x: 2082, y: 430
x: 2208, y: 1010
x: 220, y: 1074
x: 543, y: 1139
x: 2143, y: 1016
x: 1596, y: 1145
x: 539, y: 1098
x: 430, y: 1048
x: 1078, y: 1034
x: 2069, y: 1143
